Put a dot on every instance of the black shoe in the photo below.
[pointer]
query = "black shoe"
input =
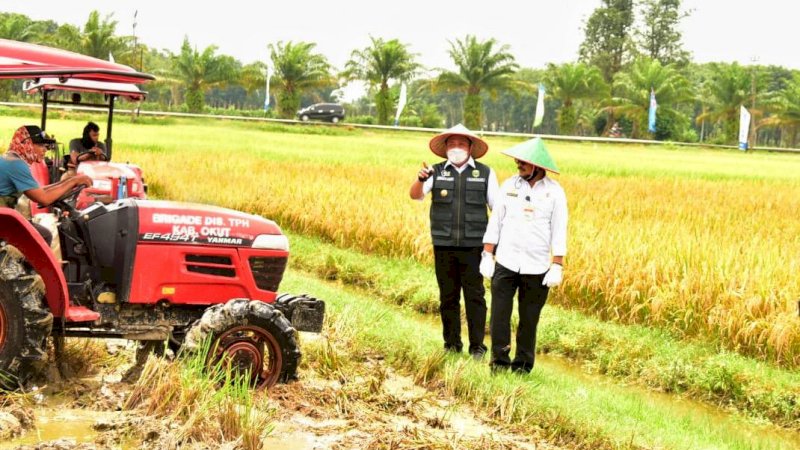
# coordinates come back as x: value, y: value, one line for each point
x: 477, y: 354
x: 499, y: 367
x: 452, y: 349
x: 521, y: 368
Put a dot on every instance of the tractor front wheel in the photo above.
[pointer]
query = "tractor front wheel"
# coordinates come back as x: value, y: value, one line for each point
x: 247, y: 337
x: 25, y: 323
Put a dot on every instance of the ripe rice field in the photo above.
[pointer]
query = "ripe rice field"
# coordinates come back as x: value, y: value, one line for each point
x: 701, y: 243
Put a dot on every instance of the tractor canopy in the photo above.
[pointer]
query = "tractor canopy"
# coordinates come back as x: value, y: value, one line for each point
x: 20, y: 60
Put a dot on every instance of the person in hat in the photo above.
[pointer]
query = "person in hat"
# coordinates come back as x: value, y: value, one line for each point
x: 524, y: 248
x: 27, y: 147
x: 461, y: 189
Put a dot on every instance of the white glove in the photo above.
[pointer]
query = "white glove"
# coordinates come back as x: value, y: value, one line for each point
x: 487, y: 264
x: 553, y: 276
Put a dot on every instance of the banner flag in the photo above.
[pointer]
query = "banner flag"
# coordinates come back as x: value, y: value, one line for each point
x: 539, y: 116
x: 744, y: 127
x: 401, y: 103
x: 651, y: 116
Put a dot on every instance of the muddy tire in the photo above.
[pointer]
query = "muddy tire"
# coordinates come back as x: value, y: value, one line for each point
x: 25, y: 321
x: 247, y: 335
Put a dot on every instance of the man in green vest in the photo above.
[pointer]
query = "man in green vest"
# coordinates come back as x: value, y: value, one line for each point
x: 524, y: 249
x: 461, y: 190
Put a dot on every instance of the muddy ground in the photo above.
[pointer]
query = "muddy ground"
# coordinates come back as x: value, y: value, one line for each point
x: 371, y: 407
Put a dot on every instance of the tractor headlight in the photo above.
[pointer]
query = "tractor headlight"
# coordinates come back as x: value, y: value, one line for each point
x: 102, y: 184
x: 272, y: 242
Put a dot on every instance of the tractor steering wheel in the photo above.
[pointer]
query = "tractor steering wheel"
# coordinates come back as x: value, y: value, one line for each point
x: 102, y: 156
x: 67, y: 201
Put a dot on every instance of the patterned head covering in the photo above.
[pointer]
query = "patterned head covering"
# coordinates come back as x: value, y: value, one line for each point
x: 23, y: 143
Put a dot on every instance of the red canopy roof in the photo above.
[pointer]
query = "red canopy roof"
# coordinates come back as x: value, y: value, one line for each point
x: 23, y: 60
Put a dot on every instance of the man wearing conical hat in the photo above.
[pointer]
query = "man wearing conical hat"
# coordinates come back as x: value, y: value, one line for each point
x: 524, y: 248
x: 461, y: 189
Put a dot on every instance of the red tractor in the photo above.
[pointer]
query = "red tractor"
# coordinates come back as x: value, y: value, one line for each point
x: 112, y: 180
x: 145, y: 270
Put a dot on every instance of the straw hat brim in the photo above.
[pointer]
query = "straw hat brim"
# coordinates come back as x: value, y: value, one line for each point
x: 478, y: 146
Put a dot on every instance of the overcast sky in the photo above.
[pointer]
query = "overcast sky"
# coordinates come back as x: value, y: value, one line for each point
x: 537, y: 31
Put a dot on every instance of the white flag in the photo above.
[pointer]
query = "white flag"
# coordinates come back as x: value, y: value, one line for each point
x: 401, y: 103
x: 539, y: 116
x: 744, y: 127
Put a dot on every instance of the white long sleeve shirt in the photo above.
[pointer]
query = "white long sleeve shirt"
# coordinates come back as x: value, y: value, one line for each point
x: 528, y: 224
x: 491, y: 187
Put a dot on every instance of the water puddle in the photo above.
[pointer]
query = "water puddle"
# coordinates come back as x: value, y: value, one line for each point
x: 60, y: 423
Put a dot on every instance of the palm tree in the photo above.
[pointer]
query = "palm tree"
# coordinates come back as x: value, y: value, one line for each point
x: 18, y: 27
x: 100, y: 41
x: 482, y: 66
x: 378, y: 64
x: 633, y: 87
x: 728, y: 88
x: 200, y: 71
x: 786, y: 110
x: 297, y: 69
x: 570, y: 83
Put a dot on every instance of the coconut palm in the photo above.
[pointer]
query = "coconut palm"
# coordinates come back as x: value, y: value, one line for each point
x: 297, y: 69
x: 483, y: 66
x: 570, y: 83
x: 200, y: 71
x: 632, y: 90
x: 378, y: 64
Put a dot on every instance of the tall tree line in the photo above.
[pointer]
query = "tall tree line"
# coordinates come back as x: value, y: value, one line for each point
x: 630, y: 49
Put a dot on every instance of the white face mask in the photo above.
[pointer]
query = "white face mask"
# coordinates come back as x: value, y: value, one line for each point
x: 457, y: 156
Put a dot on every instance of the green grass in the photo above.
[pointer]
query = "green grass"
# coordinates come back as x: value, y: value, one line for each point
x: 633, y: 354
x: 569, y: 409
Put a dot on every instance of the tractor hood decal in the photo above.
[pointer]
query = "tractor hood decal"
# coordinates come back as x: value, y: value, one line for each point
x: 175, y: 222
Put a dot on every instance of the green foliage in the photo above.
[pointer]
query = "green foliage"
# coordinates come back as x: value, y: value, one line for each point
x: 570, y: 83
x: 723, y: 93
x: 482, y: 66
x: 632, y: 93
x: 99, y: 38
x: 297, y: 69
x: 199, y: 71
x: 608, y: 41
x: 378, y: 65
x: 660, y: 37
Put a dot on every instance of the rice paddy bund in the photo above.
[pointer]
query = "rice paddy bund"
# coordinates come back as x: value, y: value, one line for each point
x: 702, y: 243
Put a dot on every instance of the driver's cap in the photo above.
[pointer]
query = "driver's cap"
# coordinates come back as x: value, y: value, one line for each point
x: 38, y: 136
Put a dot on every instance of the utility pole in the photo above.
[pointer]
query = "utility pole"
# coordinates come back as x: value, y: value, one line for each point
x: 135, y: 43
x: 753, y: 134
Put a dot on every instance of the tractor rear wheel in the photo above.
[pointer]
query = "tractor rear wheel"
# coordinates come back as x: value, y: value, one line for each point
x: 25, y: 322
x: 248, y: 337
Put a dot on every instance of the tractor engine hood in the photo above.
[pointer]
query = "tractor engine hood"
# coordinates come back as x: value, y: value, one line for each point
x: 97, y: 170
x: 194, y: 224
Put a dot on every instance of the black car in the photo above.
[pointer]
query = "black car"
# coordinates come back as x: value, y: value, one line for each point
x: 322, y: 111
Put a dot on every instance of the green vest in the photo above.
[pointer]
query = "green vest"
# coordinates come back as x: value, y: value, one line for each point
x: 458, y: 206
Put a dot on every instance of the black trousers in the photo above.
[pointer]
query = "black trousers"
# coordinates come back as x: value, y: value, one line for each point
x: 531, y: 300
x: 457, y: 270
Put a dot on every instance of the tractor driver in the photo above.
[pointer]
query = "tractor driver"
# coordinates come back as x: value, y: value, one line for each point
x: 27, y: 147
x: 86, y: 148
